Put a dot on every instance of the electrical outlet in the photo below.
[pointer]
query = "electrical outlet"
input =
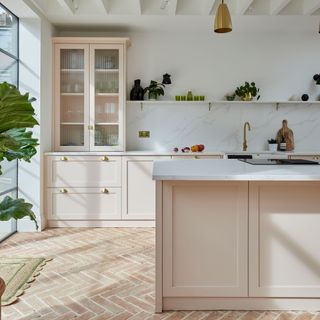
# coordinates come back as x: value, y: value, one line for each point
x: 144, y: 134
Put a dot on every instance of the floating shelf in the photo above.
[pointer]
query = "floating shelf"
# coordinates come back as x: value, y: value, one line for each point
x: 220, y: 102
x: 210, y: 104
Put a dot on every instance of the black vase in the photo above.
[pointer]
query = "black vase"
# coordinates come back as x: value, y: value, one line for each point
x: 137, y: 91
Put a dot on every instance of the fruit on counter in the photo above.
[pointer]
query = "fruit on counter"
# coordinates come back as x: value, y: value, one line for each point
x: 175, y: 149
x: 185, y: 149
x: 197, y: 148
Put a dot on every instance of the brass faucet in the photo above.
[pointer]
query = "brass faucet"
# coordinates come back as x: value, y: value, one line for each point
x: 245, y: 145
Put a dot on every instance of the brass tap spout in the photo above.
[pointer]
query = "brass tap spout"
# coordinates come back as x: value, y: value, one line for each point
x: 245, y: 144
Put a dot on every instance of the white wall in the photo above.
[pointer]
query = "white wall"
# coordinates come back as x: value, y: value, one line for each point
x: 281, y: 63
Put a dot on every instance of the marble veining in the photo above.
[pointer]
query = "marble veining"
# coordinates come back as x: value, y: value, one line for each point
x: 175, y: 125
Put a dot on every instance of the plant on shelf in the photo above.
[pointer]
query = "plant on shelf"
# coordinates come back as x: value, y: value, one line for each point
x: 273, y: 145
x: 248, y: 91
x: 154, y: 90
x: 16, y: 115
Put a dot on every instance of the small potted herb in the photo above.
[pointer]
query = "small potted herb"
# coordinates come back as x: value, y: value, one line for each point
x: 154, y: 90
x: 248, y: 91
x: 273, y: 145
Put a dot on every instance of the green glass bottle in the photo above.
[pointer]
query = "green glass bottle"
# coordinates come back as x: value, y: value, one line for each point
x: 189, y: 96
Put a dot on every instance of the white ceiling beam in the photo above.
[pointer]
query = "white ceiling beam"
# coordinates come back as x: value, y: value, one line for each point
x: 172, y: 7
x: 243, y: 6
x: 42, y: 6
x: 209, y: 5
x: 68, y: 5
x: 310, y: 6
x: 277, y: 5
x: 105, y: 5
x: 139, y: 7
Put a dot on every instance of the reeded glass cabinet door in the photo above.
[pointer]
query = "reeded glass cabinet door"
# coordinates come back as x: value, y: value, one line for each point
x: 107, y: 92
x: 72, y: 117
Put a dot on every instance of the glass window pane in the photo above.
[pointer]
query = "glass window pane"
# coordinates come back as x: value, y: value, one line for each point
x: 8, y: 178
x: 8, y: 69
x: 8, y: 32
x: 7, y: 227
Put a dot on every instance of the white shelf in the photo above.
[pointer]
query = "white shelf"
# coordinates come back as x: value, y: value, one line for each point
x: 220, y: 102
x: 72, y: 70
x: 72, y: 123
x: 71, y: 94
x: 107, y: 70
x: 107, y: 94
x: 107, y: 124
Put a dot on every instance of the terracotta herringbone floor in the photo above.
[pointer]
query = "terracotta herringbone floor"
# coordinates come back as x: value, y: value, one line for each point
x: 101, y: 274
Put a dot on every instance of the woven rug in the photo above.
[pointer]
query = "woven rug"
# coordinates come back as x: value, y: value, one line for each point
x: 18, y: 273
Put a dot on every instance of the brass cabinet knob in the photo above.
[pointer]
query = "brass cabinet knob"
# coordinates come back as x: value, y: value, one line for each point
x: 104, y: 190
x: 63, y: 190
x: 64, y: 159
x: 105, y: 158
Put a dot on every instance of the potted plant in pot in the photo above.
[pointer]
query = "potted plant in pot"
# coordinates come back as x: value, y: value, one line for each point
x: 154, y: 90
x: 248, y: 91
x: 273, y: 145
x: 16, y: 115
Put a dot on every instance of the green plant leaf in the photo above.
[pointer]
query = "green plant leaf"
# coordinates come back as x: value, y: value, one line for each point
x: 16, y: 110
x: 16, y: 209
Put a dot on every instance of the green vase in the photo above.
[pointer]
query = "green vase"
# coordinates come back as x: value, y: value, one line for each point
x: 152, y: 95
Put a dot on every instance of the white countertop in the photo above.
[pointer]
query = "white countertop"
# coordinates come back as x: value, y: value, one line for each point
x: 171, y: 153
x: 232, y: 170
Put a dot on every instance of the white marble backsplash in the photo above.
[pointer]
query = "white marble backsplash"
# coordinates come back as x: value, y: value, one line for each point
x: 221, y: 128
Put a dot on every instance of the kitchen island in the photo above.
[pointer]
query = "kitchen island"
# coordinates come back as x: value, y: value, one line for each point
x: 230, y: 235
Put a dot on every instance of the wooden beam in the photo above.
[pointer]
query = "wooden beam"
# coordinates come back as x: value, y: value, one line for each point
x: 310, y: 6
x: 67, y: 5
x: 243, y: 6
x: 209, y: 6
x: 277, y: 5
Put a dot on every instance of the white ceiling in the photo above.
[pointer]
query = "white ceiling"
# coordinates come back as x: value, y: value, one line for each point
x: 54, y: 9
x: 126, y: 15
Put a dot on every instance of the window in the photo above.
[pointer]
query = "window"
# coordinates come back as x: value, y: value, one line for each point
x: 9, y: 70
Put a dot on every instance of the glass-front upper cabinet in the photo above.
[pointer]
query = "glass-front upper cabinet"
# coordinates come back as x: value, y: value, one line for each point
x: 107, y: 97
x: 89, y: 94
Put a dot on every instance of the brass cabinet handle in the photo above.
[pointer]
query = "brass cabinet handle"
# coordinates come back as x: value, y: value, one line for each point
x: 90, y: 127
x: 104, y: 190
x: 105, y: 158
x: 63, y: 190
x: 64, y: 159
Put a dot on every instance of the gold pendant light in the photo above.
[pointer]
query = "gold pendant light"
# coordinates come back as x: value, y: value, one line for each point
x: 222, y: 21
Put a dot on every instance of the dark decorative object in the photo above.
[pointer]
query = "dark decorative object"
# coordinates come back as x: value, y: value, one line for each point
x: 316, y: 78
x: 166, y: 79
x: 137, y: 92
x: 304, y: 97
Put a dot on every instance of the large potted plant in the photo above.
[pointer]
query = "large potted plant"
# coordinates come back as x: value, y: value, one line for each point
x: 16, y: 115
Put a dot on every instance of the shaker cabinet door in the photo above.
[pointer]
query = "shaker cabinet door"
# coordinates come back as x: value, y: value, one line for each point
x: 284, y: 240
x: 205, y: 239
